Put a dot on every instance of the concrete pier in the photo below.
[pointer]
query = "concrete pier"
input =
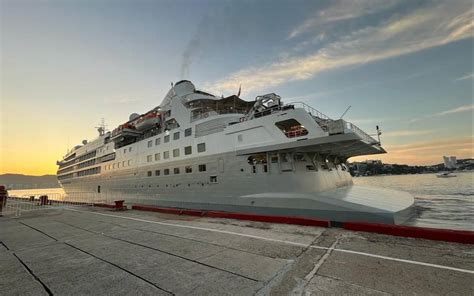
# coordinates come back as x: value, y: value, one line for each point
x: 84, y: 250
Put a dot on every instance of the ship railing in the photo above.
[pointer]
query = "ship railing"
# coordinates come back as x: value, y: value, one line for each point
x: 312, y: 111
x: 358, y: 131
x: 340, y: 126
x: 18, y: 204
x: 318, y: 116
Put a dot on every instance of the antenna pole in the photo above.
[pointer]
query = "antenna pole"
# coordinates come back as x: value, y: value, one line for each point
x: 379, y: 132
x: 345, y: 112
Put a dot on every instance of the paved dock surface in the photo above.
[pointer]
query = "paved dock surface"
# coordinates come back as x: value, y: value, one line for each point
x: 83, y: 251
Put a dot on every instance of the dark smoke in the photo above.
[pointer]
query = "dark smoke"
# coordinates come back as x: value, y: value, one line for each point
x: 189, y: 54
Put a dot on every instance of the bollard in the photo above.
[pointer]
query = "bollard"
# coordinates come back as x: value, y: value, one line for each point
x: 119, y: 205
x: 3, y: 198
x: 43, y: 200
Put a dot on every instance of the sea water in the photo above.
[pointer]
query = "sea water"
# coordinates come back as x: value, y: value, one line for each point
x: 439, y: 202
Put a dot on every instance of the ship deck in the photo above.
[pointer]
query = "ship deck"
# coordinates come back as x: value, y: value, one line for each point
x: 97, y: 251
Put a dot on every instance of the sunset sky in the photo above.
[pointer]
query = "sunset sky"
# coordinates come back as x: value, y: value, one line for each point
x: 404, y: 65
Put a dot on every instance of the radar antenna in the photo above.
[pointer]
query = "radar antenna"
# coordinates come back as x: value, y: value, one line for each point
x: 101, y: 128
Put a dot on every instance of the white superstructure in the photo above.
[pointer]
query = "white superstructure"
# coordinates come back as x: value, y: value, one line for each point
x: 196, y: 150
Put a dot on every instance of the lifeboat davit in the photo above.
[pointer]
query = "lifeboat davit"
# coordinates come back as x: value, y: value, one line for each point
x: 148, y: 121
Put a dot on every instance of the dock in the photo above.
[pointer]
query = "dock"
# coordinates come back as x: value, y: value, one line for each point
x: 98, y: 251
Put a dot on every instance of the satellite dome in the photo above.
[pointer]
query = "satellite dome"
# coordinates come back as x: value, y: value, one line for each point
x: 133, y: 116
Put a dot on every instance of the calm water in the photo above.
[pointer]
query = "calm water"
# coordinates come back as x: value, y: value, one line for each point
x: 439, y: 202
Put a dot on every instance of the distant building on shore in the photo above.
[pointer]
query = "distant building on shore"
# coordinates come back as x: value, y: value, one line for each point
x: 450, y: 162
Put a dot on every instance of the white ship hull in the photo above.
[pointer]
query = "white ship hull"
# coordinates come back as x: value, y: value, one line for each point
x: 259, y: 163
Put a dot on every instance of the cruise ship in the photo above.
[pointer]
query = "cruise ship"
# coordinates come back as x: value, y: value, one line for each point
x: 200, y: 151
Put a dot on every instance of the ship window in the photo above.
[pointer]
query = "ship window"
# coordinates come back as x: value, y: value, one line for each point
x: 265, y: 168
x: 240, y: 138
x: 176, y: 171
x: 188, y: 132
x: 149, y: 173
x: 166, y: 154
x: 167, y: 138
x: 123, y: 163
x: 292, y: 128
x: 150, y: 143
x: 157, y: 141
x: 157, y: 172
x: 299, y: 157
x: 129, y: 162
x: 274, y: 158
x: 175, y: 152
x: 149, y: 158
x: 157, y: 156
x: 129, y: 149
x: 202, y: 167
x: 188, y: 169
x: 213, y: 179
x: 176, y: 136
x: 124, y: 150
x: 166, y: 172
x: 187, y: 150
x: 254, y: 169
x: 201, y: 147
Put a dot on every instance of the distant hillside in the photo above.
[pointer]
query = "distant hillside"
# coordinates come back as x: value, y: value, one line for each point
x: 19, y: 181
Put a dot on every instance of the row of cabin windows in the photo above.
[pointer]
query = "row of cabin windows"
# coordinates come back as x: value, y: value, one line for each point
x: 67, y: 176
x: 188, y: 150
x: 87, y: 172
x: 166, y: 139
x: 176, y: 171
x: 79, y: 159
x: 118, y: 165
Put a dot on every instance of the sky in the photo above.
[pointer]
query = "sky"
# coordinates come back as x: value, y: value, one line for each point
x: 405, y: 65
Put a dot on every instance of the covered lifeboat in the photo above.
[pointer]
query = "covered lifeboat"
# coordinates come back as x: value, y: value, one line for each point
x: 124, y: 132
x: 148, y: 121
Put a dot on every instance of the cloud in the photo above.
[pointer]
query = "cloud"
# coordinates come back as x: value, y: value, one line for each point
x: 465, y: 77
x: 406, y: 133
x: 341, y: 11
x: 420, y: 29
x: 122, y: 100
x: 456, y: 110
x: 446, y: 112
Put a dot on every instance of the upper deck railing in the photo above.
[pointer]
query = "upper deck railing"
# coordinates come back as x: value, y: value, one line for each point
x: 310, y: 110
x: 363, y: 135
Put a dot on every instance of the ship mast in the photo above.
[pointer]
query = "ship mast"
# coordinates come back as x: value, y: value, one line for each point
x: 101, y: 128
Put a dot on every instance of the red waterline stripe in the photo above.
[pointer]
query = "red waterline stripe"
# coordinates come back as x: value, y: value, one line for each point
x: 103, y: 205
x: 448, y: 235
x: 237, y: 216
